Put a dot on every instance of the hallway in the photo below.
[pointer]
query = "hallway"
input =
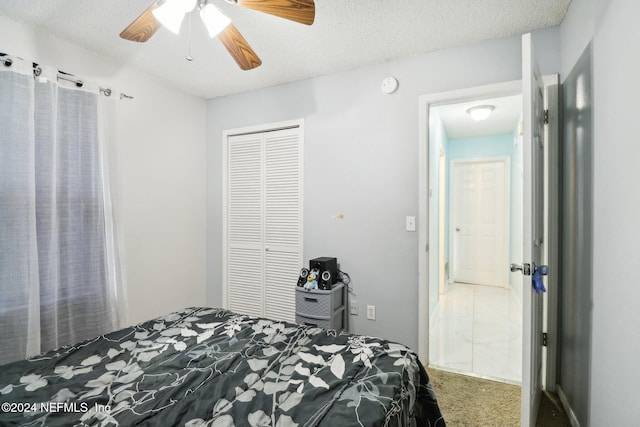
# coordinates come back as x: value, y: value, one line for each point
x: 477, y: 330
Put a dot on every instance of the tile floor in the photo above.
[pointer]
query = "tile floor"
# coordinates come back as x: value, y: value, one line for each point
x: 477, y: 330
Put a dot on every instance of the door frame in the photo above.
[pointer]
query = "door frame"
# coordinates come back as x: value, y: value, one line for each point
x: 442, y: 188
x: 507, y: 88
x: 506, y: 226
x: 425, y: 103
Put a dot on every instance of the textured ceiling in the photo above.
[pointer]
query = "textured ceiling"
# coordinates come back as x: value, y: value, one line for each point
x: 346, y: 34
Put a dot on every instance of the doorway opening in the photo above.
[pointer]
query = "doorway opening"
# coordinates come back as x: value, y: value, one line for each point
x: 475, y: 222
x: 540, y: 222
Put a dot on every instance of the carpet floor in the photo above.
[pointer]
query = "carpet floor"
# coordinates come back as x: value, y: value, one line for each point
x: 475, y: 402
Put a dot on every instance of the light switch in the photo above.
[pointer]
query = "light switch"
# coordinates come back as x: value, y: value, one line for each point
x: 371, y: 312
x: 411, y: 223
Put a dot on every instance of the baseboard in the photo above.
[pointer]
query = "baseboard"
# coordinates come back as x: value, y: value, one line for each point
x: 474, y: 375
x: 567, y: 408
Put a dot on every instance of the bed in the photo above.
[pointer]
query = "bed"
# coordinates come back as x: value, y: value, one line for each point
x: 213, y: 367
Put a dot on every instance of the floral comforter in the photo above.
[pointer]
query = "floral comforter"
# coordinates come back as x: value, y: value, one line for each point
x: 213, y: 367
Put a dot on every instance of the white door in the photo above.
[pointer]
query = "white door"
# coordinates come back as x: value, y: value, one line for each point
x: 263, y: 226
x: 244, y: 242
x: 533, y: 223
x: 479, y: 198
x: 282, y: 222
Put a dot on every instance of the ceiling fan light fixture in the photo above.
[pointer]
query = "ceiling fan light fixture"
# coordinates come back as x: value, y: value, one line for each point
x: 170, y: 13
x: 480, y: 112
x: 213, y: 19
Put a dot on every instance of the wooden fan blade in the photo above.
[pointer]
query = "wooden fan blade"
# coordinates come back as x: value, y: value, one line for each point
x: 238, y: 47
x: 143, y: 27
x: 302, y: 11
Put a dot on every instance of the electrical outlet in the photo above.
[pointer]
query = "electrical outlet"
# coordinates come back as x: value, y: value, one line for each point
x: 411, y: 223
x: 353, y: 307
x: 371, y: 312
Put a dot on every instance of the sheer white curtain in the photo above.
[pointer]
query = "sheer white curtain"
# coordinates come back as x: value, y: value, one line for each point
x: 57, y: 281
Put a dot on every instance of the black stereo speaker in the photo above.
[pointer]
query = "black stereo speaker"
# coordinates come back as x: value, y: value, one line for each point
x: 303, y: 277
x: 326, y: 280
x: 328, y: 268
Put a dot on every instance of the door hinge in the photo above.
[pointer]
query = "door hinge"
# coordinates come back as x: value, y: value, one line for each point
x: 544, y: 339
x: 546, y: 117
x: 427, y: 250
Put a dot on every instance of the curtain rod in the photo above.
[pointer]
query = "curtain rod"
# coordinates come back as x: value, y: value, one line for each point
x: 68, y: 77
x: 8, y: 62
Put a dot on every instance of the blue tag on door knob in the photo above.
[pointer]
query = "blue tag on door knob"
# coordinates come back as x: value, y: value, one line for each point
x: 536, y: 279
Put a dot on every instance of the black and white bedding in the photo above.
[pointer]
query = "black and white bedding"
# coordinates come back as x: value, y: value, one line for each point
x: 213, y: 367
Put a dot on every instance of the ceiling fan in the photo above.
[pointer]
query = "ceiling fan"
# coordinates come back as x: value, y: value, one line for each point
x: 171, y: 13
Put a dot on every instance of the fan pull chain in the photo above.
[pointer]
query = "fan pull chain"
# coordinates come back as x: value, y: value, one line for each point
x: 189, y: 57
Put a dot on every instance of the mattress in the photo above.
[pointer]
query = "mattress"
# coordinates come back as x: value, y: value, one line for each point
x: 213, y: 367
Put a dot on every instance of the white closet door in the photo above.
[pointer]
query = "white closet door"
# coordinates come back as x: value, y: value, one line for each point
x: 282, y: 221
x: 245, y: 247
x: 264, y: 222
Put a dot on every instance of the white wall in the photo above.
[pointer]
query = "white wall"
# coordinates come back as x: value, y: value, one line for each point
x: 157, y: 159
x: 361, y: 150
x: 611, y: 26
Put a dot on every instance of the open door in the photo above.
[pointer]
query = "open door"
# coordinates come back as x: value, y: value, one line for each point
x: 533, y: 222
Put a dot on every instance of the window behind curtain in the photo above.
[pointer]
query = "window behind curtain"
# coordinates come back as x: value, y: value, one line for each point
x: 56, y: 210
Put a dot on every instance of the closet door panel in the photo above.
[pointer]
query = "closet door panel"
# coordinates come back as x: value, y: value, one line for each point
x: 245, y: 247
x: 282, y: 221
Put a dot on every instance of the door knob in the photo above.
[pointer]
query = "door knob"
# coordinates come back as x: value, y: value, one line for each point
x: 525, y: 268
x: 457, y: 229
